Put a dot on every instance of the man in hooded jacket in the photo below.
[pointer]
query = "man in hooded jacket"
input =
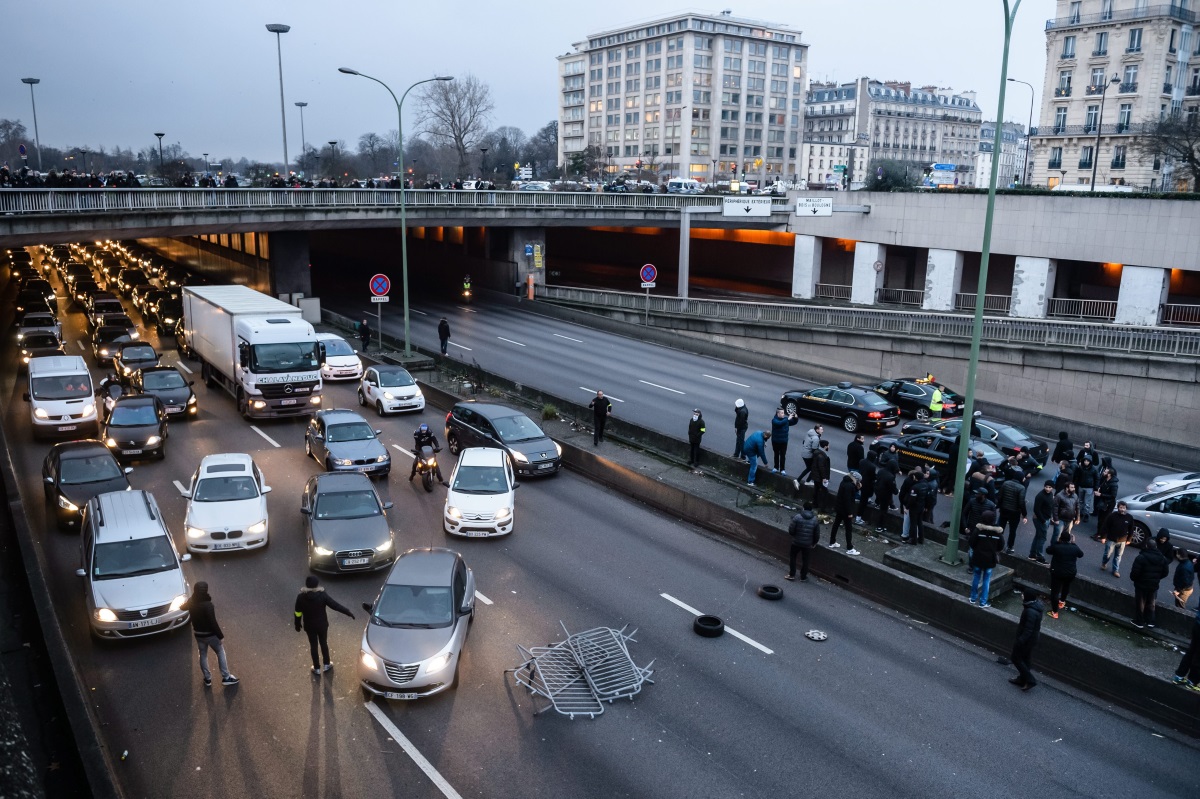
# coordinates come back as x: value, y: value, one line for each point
x: 203, y: 618
x: 741, y: 423
x: 1029, y: 628
x: 311, y: 616
x: 805, y: 531
x: 1149, y: 568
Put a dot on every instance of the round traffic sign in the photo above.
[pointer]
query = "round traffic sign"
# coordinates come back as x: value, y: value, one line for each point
x: 380, y: 285
x: 649, y: 273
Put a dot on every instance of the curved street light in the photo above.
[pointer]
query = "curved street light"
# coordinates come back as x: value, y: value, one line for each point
x: 160, y: 160
x: 1028, y: 133
x: 403, y: 214
x: 36, y: 139
x: 278, y: 29
x: 303, y: 145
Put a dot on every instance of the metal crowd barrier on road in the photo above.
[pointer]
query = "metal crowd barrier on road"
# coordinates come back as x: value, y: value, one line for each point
x: 996, y: 329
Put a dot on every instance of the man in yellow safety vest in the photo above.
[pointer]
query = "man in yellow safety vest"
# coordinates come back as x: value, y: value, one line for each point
x: 935, y: 405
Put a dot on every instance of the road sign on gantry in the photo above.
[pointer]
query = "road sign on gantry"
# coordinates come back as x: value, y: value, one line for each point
x: 814, y: 206
x: 380, y: 285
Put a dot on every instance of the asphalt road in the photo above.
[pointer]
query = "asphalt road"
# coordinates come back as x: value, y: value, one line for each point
x: 883, y: 708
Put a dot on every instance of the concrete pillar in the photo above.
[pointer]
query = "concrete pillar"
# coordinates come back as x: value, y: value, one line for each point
x: 519, y: 238
x: 806, y: 266
x: 943, y: 279
x: 685, y: 254
x: 1143, y: 291
x: 869, y: 261
x: 1033, y: 286
x: 290, y: 264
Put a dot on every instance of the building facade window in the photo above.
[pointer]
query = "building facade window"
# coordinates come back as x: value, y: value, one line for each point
x: 1068, y: 50
x: 1135, y: 41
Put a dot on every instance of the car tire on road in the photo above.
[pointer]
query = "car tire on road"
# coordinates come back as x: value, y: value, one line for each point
x: 362, y: 401
x: 379, y: 408
x: 771, y: 592
x: 850, y: 423
x: 708, y: 626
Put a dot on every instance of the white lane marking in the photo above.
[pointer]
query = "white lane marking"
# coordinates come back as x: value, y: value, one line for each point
x: 463, y: 308
x: 568, y: 338
x: 482, y: 598
x: 184, y: 368
x: 606, y: 396
x: 180, y: 486
x: 510, y: 341
x: 728, y: 629
x: 664, y: 388
x: 80, y: 343
x: 272, y: 441
x: 399, y: 448
x: 461, y: 347
x: 405, y: 744
x: 731, y: 382
x: 414, y: 310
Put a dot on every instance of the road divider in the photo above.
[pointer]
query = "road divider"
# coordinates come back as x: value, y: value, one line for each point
x: 409, y: 749
x: 728, y: 629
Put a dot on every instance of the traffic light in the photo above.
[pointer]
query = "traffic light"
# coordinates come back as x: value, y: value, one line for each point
x: 639, y: 163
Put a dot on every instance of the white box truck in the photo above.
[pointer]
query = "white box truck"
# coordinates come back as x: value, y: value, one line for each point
x: 258, y: 348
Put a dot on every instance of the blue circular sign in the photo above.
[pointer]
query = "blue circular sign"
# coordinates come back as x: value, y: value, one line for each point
x: 380, y: 285
x: 649, y: 273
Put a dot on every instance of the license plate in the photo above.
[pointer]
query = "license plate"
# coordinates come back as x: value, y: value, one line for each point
x: 173, y: 409
x: 133, y: 625
x: 890, y: 424
x: 131, y: 452
x: 545, y: 465
x: 287, y: 402
x: 397, y: 695
x: 65, y: 427
x: 225, y: 546
x: 476, y: 534
x: 356, y: 561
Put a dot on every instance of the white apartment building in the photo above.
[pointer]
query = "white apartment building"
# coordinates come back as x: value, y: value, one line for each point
x: 1012, y: 155
x: 847, y: 126
x: 694, y: 95
x: 1113, y: 69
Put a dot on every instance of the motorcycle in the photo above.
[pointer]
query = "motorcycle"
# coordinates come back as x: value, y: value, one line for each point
x: 427, y: 466
x: 466, y: 296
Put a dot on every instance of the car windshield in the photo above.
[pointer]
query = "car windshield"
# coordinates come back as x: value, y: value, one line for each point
x: 396, y: 378
x: 133, y: 415
x: 480, y: 480
x: 39, y: 340
x: 337, y: 346
x: 276, y: 358
x: 420, y: 606
x: 516, y: 428
x: 133, y: 558
x: 229, y: 488
x: 874, y: 400
x: 38, y: 320
x: 109, y: 335
x: 92, y: 469
x: 140, y: 352
x: 152, y: 381
x: 351, y: 431
x: 60, y: 388
x: 347, y: 505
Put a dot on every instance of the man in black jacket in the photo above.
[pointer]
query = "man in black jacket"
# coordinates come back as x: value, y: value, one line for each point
x: 601, y: 410
x: 312, y: 617
x: 1149, y: 568
x: 805, y: 531
x: 1043, y: 516
x: 443, y: 334
x: 985, y: 544
x: 695, y: 434
x: 868, y: 469
x: 856, y: 450
x: 843, y: 510
x: 208, y: 633
x: 741, y: 423
x: 821, y: 473
x: 1028, y: 630
x: 1014, y: 509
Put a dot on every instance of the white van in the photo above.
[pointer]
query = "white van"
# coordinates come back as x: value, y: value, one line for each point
x: 684, y: 186
x: 62, y: 402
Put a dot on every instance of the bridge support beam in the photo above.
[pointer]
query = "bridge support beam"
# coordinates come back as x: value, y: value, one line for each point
x: 1033, y: 286
x: 291, y: 271
x: 943, y: 279
x: 1143, y: 291
x: 867, y: 276
x: 525, y: 265
x: 806, y: 266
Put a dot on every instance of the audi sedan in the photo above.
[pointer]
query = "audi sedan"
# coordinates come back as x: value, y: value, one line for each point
x: 851, y: 406
x: 166, y: 383
x: 74, y: 472
x: 417, y: 626
x: 342, y: 441
x: 345, y: 524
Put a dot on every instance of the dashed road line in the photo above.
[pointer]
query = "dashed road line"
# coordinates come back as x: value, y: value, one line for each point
x: 180, y: 486
x: 399, y: 448
x: 414, y: 310
x: 432, y: 773
x: 723, y: 380
x: 184, y: 368
x: 270, y: 440
x: 664, y: 388
x: 80, y: 343
x: 606, y: 396
x: 568, y: 338
x: 482, y: 598
x: 510, y: 341
x: 464, y: 308
x: 461, y: 347
x: 728, y: 629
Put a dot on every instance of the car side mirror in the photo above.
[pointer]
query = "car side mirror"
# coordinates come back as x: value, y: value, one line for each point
x: 378, y: 432
x: 318, y: 436
x: 25, y: 396
x: 306, y: 511
x: 185, y: 557
x: 465, y: 609
x: 128, y: 470
x: 49, y: 480
x: 366, y: 606
x: 516, y: 486
x: 80, y: 573
x: 266, y: 489
x: 387, y: 506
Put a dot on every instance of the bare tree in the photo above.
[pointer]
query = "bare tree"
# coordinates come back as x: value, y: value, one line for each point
x: 456, y: 113
x: 371, y: 148
x: 1176, y: 138
x: 542, y: 150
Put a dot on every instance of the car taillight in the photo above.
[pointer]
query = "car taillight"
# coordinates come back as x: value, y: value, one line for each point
x: 874, y: 415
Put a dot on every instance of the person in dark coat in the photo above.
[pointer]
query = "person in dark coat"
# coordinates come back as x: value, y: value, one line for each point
x: 781, y: 425
x: 741, y: 423
x: 821, y: 470
x: 601, y: 410
x: 843, y: 511
x: 1163, y: 542
x: 1064, y: 565
x: 364, y: 334
x: 311, y: 616
x: 890, y: 458
x: 755, y: 450
x: 1043, y: 517
x: 856, y: 450
x: 885, y: 489
x: 905, y: 494
x: 1089, y: 452
x: 1116, y: 533
x: 1149, y: 569
x: 1184, y: 579
x: 1086, y: 479
x: 203, y: 618
x: 916, y: 505
x: 695, y: 434
x: 1014, y: 509
x: 443, y: 334
x: 974, y: 509
x: 986, y: 542
x: 868, y: 469
x: 1106, y: 494
x: 1063, y: 450
x: 805, y: 531
x: 1188, y: 672
x: 1028, y: 630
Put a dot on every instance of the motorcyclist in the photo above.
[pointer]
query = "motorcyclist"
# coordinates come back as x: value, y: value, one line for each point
x: 466, y: 284
x: 424, y: 437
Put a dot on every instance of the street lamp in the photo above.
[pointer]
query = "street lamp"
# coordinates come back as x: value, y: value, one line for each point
x: 206, y: 163
x: 278, y: 29
x: 482, y: 160
x: 1028, y: 132
x: 36, y: 140
x: 160, y: 161
x: 303, y: 146
x: 403, y: 216
x: 1099, y: 127
x: 333, y: 160
x: 83, y: 151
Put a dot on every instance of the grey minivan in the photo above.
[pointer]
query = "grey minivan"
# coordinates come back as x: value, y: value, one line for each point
x: 1178, y: 510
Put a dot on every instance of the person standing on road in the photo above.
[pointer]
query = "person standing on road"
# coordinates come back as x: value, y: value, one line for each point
x: 695, y: 434
x: 780, y: 431
x: 985, y: 544
x: 916, y: 502
x: 1063, y: 450
x: 1028, y: 630
x: 601, y: 410
x: 821, y: 471
x: 311, y: 616
x: 364, y: 334
x: 974, y: 509
x: 1066, y: 510
x: 443, y: 334
x: 208, y: 633
x: 805, y: 531
x: 1086, y: 479
x: 1043, y: 517
x: 869, y: 468
x: 755, y: 450
x: 1149, y: 569
x: 856, y: 450
x: 1185, y: 578
x: 905, y: 494
x: 1117, y: 532
x: 1014, y: 510
x: 1064, y: 565
x: 741, y: 423
x: 885, y: 489
x: 1188, y: 672
x: 812, y: 440
x: 1106, y: 496
x: 843, y: 510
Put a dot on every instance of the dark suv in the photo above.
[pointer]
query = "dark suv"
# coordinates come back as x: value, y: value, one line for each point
x: 480, y: 424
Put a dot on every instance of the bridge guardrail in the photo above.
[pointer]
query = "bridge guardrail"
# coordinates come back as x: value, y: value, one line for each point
x: 996, y: 329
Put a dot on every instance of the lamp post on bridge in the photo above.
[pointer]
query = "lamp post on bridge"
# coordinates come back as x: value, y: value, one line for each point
x: 279, y: 29
x: 303, y: 146
x: 36, y: 139
x: 1028, y: 133
x: 160, y: 159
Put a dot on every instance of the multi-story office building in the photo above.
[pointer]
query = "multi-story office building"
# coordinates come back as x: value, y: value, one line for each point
x: 1113, y: 69
x: 849, y: 125
x: 1012, y: 155
x: 692, y: 95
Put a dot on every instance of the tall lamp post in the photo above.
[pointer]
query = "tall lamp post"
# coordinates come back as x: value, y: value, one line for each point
x: 1114, y: 80
x: 36, y: 140
x: 950, y: 555
x: 277, y: 29
x: 333, y: 160
x: 303, y: 145
x: 403, y: 217
x: 206, y: 163
x: 160, y: 161
x: 482, y: 160
x: 1028, y: 132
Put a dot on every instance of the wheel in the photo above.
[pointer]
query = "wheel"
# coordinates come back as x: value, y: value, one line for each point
x: 1141, y: 534
x: 307, y: 447
x: 452, y: 443
x: 427, y: 480
x: 328, y: 465
x: 362, y: 401
x: 790, y: 407
x: 379, y: 408
x: 923, y: 415
x: 708, y: 626
x: 206, y: 373
x: 850, y: 423
x: 771, y: 592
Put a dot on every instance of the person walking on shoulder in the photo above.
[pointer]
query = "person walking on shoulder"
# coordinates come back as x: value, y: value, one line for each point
x: 443, y: 334
x: 741, y: 423
x: 821, y: 471
x: 843, y: 511
x: 208, y: 633
x: 805, y: 531
x: 1149, y: 569
x: 601, y: 410
x: 311, y: 616
x: 695, y: 434
x: 364, y: 334
x: 1029, y: 628
x: 1116, y: 533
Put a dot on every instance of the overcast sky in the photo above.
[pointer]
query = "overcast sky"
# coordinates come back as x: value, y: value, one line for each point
x: 205, y: 73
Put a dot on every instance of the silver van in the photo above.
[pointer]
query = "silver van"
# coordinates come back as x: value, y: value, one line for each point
x: 62, y: 402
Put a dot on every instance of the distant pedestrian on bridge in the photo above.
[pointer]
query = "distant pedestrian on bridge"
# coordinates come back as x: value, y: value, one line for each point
x: 443, y: 334
x: 601, y: 410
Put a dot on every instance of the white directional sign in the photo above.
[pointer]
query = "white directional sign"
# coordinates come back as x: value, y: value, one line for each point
x: 814, y: 206
x: 380, y: 299
x: 746, y: 206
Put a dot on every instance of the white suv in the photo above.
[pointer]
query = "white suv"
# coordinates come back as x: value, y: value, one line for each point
x: 227, y: 505
x: 480, y: 500
x: 133, y: 580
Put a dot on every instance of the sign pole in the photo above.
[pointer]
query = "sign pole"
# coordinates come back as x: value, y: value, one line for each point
x: 646, y: 317
x: 380, y: 285
x: 648, y: 273
x: 379, y: 323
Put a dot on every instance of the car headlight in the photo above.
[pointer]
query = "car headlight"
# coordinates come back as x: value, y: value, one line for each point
x: 135, y: 334
x: 382, y: 458
x: 89, y: 409
x: 40, y: 413
x: 126, y: 370
x: 24, y: 357
x: 314, y: 400
x: 110, y: 442
x: 342, y: 461
x: 194, y: 532
x: 104, y: 614
x: 387, y: 395
x: 453, y: 512
x: 67, y: 504
x: 558, y: 447
x: 20, y: 337
x: 322, y: 551
x: 520, y: 458
x: 192, y: 400
x: 104, y: 352
x: 385, y: 546
x: 257, y: 529
x: 177, y: 602
x: 369, y: 660
x: 168, y: 321
x: 503, y: 513
x: 437, y: 663
x: 153, y: 441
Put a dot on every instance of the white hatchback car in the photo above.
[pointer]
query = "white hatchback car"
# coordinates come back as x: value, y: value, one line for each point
x: 390, y: 389
x: 479, y: 502
x: 341, y: 360
x: 227, y: 505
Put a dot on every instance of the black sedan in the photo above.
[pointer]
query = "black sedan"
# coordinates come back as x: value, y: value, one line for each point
x: 853, y: 407
x: 481, y: 424
x: 136, y: 427
x: 167, y: 313
x: 1004, y: 437
x: 105, y: 341
x: 930, y: 449
x: 172, y: 390
x: 76, y: 471
x: 37, y: 344
x: 913, y: 396
x: 131, y: 356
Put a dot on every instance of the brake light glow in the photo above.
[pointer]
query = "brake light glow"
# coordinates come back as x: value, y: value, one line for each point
x: 874, y: 415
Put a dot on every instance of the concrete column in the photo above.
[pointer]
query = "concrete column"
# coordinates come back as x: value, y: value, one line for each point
x: 685, y: 253
x: 1033, y: 286
x: 290, y: 264
x: 806, y: 266
x: 1143, y: 291
x: 943, y: 279
x: 519, y: 237
x: 867, y: 278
